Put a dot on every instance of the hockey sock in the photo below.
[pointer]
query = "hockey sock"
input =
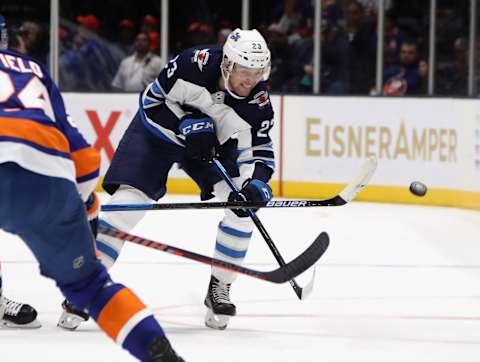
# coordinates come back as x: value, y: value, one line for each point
x: 125, y: 319
x: 109, y: 247
x: 233, y: 239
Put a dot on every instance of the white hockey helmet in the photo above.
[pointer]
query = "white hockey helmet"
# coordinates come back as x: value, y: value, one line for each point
x: 247, y: 48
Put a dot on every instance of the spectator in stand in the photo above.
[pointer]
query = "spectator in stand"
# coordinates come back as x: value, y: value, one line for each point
x: 126, y: 36
x: 371, y: 7
x: 151, y: 27
x: 139, y: 69
x: 362, y: 49
x: 123, y: 47
x: 199, y: 33
x: 453, y: 76
x: 154, y: 38
x: 291, y: 44
x: 222, y: 35
x: 333, y: 77
x: 289, y: 20
x: 88, y: 65
x: 394, y: 38
x: 16, y: 40
x: 35, y: 41
x: 150, y: 23
x: 404, y: 77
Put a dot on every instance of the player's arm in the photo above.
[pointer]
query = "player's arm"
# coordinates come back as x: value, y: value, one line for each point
x: 85, y: 157
x: 255, y: 149
x: 181, y: 83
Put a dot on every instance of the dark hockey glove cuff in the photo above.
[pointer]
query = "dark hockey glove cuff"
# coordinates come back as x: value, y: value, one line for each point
x: 252, y: 191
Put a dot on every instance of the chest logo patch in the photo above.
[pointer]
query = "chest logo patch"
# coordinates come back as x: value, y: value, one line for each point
x: 201, y: 58
x: 261, y: 98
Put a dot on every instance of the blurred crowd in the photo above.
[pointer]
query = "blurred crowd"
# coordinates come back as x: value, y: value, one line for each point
x: 131, y: 58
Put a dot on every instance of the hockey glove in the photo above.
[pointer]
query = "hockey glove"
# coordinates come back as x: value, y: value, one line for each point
x: 200, y: 137
x: 253, y: 190
x: 93, y: 205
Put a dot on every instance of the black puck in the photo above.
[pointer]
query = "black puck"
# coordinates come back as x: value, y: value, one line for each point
x: 418, y: 189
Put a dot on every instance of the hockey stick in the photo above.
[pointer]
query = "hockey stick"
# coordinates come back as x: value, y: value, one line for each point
x: 301, y: 293
x: 281, y: 275
x: 346, y: 195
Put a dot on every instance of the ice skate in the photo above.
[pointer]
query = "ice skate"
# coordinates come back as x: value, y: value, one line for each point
x: 220, y: 308
x: 18, y: 315
x: 160, y: 350
x: 71, y: 317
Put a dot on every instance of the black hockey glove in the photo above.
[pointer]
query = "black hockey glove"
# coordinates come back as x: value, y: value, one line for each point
x: 93, y: 205
x: 253, y: 190
x: 200, y: 137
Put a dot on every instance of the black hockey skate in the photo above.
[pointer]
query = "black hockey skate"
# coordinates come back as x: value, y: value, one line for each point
x: 220, y: 308
x: 19, y: 315
x: 71, y: 317
x: 160, y: 350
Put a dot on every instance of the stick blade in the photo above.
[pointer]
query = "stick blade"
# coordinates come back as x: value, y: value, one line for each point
x: 307, y: 289
x: 361, y: 180
x: 302, y: 262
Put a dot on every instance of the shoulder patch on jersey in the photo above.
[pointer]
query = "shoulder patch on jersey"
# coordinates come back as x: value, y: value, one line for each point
x: 261, y: 98
x: 201, y: 57
x: 218, y: 97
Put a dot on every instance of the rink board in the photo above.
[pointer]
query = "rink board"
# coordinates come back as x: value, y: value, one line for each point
x: 321, y: 142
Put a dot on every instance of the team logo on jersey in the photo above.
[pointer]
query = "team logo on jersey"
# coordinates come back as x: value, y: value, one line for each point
x: 201, y: 58
x: 261, y: 98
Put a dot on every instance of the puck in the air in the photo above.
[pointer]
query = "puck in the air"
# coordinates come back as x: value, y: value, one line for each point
x: 417, y: 188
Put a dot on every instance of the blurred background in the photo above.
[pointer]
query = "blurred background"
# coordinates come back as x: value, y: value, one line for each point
x: 328, y: 47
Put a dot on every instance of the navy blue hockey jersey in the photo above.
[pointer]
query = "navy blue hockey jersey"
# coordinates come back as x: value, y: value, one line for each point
x: 190, y: 82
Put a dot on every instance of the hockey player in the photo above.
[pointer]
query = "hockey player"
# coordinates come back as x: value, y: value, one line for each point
x: 47, y: 171
x: 15, y: 314
x: 207, y: 100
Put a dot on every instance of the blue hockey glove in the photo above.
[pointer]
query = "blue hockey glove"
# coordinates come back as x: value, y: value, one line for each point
x: 253, y: 190
x: 200, y: 137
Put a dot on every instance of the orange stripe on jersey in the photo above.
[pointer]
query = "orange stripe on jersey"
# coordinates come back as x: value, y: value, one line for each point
x: 86, y: 160
x: 34, y: 132
x: 118, y: 311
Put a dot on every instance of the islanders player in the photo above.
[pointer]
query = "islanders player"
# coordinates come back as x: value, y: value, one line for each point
x: 47, y: 173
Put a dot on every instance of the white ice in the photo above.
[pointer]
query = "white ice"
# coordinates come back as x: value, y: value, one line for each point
x: 398, y: 283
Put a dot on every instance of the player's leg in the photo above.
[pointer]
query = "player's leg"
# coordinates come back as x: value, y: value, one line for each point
x: 138, y: 174
x: 16, y: 314
x: 52, y: 221
x: 233, y: 238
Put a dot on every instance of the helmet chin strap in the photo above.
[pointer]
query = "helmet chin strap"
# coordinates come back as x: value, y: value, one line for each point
x: 226, y: 80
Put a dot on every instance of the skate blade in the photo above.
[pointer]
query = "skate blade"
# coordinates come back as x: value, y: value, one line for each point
x: 216, y: 321
x: 32, y: 325
x: 69, y: 321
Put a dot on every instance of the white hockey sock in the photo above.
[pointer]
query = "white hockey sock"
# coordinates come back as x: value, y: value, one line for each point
x: 108, y: 246
x: 233, y: 238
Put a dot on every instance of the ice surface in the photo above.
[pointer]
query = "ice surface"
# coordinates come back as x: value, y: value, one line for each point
x: 398, y: 283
